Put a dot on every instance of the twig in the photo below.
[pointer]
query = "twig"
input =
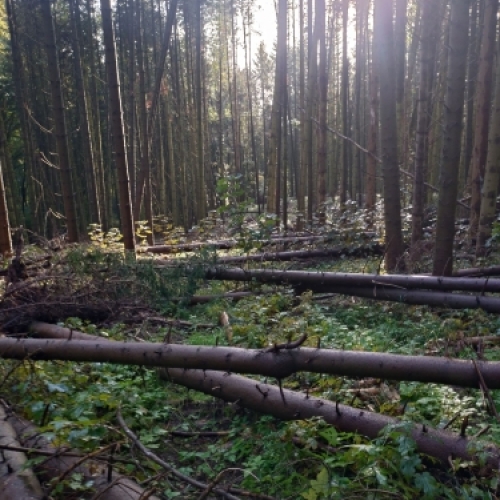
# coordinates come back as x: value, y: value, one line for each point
x: 217, y: 480
x: 78, y: 463
x: 185, y: 434
x: 155, y: 458
x: 59, y: 453
x: 486, y: 391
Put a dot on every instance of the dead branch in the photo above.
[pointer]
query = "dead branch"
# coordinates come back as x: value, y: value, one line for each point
x: 155, y: 458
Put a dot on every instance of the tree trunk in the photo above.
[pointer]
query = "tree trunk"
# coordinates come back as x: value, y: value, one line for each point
x: 482, y: 106
x: 278, y: 363
x: 144, y: 178
x: 450, y: 157
x: 5, y: 237
x: 320, y: 280
x: 289, y: 405
x: 127, y: 222
x: 492, y: 172
x: 83, y: 114
x: 426, y: 66
x: 389, y: 135
x: 59, y: 122
x: 323, y: 104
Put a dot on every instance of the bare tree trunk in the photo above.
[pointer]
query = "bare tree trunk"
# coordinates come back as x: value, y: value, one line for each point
x: 482, y: 106
x: 144, y: 179
x: 492, y: 172
x: 59, y: 122
x: 83, y: 114
x: 5, y: 237
x: 426, y: 60
x: 323, y: 103
x: 127, y: 221
x: 450, y: 158
x: 389, y: 135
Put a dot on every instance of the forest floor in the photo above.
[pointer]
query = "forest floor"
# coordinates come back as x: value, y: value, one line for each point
x: 76, y: 403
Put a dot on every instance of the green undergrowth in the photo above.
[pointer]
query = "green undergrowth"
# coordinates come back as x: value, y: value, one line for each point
x: 76, y: 404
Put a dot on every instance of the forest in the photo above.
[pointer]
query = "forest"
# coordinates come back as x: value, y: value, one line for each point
x: 249, y: 249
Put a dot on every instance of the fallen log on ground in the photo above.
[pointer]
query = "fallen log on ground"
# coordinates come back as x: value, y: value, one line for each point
x: 289, y: 405
x: 278, y: 363
x: 417, y: 297
x: 332, y: 253
x: 117, y: 488
x: 17, y: 482
x: 314, y: 280
x: 478, y: 271
x: 229, y: 244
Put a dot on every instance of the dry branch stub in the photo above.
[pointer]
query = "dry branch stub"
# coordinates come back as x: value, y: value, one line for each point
x: 290, y: 405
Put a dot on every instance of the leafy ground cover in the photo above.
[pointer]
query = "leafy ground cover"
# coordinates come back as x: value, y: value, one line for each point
x: 76, y: 404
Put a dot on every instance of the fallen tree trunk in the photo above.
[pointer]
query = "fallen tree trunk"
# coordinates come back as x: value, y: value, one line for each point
x: 290, y: 405
x: 279, y: 363
x: 119, y: 488
x: 478, y: 271
x: 314, y: 280
x: 417, y: 297
x: 16, y: 481
x: 332, y: 253
x: 229, y: 244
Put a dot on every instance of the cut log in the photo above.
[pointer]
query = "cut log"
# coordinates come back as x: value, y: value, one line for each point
x: 290, y: 405
x: 278, y: 363
x: 322, y: 281
x: 119, y: 488
x: 16, y: 481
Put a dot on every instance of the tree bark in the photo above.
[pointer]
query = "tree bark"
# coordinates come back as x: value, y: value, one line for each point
x: 389, y: 136
x: 5, y: 236
x: 492, y: 172
x: 320, y: 280
x: 482, y: 106
x: 450, y: 156
x: 289, y: 405
x: 127, y: 222
x: 278, y: 363
x: 17, y: 481
x: 323, y: 105
x: 426, y: 67
x: 59, y: 122
x: 119, y: 488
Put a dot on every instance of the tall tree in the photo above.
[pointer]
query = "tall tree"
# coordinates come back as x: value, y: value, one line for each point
x: 5, y: 237
x: 323, y: 103
x: 492, y: 171
x: 450, y: 156
x: 388, y: 131
x: 482, y: 106
x: 59, y: 121
x: 83, y: 115
x: 426, y: 67
x: 118, y: 136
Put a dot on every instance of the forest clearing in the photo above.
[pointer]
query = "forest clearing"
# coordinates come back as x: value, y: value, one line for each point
x: 249, y: 249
